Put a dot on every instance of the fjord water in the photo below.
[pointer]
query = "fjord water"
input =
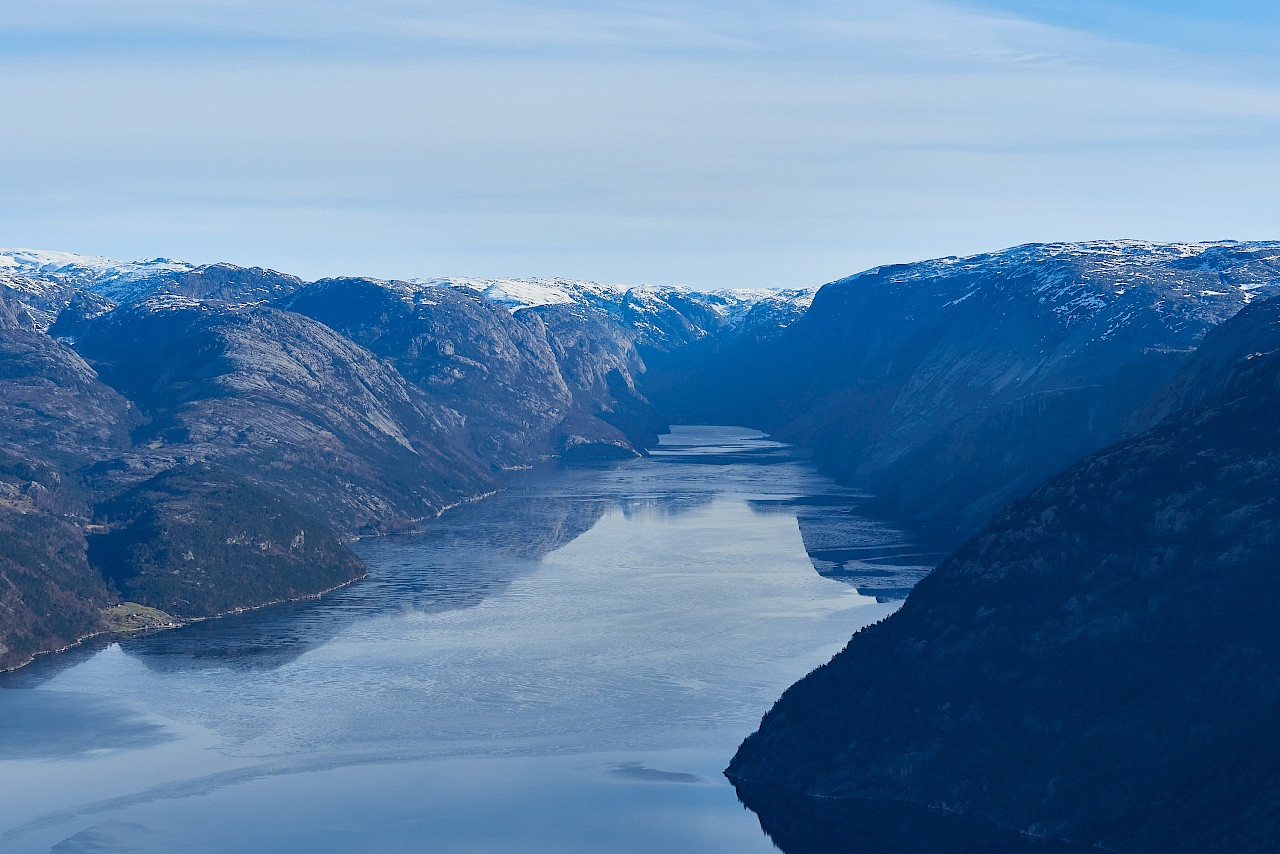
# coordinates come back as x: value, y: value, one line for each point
x: 564, y: 667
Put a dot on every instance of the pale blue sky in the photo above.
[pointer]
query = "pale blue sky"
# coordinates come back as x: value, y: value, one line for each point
x: 754, y: 143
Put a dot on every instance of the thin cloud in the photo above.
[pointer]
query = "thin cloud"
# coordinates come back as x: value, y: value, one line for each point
x: 755, y: 143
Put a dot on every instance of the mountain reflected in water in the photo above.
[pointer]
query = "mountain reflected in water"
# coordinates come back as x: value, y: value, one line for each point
x: 545, y: 670
x: 805, y: 825
x: 460, y: 559
x: 474, y: 551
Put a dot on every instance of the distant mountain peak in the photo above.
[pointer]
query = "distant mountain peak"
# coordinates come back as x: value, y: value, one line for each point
x: 85, y: 270
x: 518, y: 293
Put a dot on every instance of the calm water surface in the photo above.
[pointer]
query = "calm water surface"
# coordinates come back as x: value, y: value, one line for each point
x: 565, y: 667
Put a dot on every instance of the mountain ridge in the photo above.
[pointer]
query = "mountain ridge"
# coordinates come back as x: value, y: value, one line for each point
x: 891, y: 371
x: 1097, y: 663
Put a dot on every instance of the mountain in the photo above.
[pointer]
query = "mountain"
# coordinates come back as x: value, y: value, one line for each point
x: 948, y: 387
x: 285, y: 402
x: 1099, y: 663
x: 520, y: 375
x: 507, y: 374
x: 944, y: 388
x: 238, y: 433
x: 56, y: 417
x: 539, y: 368
x: 120, y: 281
x: 184, y: 440
x: 197, y: 541
x: 663, y: 317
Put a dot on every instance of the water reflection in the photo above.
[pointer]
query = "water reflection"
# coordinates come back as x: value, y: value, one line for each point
x: 803, y: 825
x: 564, y: 667
x: 458, y: 561
x: 108, y: 837
x: 475, y: 551
x: 878, y: 558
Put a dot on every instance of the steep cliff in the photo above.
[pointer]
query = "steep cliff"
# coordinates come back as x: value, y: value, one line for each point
x: 284, y: 401
x: 539, y: 368
x: 468, y: 352
x: 1100, y: 662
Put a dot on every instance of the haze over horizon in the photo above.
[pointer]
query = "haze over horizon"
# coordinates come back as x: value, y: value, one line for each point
x: 718, y: 145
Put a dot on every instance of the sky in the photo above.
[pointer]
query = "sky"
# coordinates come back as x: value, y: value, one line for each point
x: 755, y: 143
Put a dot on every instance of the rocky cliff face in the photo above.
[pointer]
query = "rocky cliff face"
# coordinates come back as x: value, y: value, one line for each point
x: 469, y: 353
x: 54, y: 407
x: 897, y: 377
x: 1099, y: 663
x: 322, y: 433
x: 286, y: 402
x: 539, y: 368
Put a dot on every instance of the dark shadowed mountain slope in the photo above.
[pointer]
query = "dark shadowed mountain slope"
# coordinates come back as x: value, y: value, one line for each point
x: 1227, y: 357
x: 287, y: 403
x: 1101, y: 662
x: 56, y: 417
x: 900, y: 378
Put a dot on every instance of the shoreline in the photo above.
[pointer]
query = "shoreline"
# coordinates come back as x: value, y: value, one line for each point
x: 106, y: 633
x: 413, y: 527
x: 182, y: 621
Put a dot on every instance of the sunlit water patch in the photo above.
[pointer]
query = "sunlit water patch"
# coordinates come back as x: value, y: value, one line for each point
x: 567, y: 666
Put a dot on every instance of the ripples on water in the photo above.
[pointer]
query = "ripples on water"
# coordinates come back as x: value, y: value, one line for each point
x: 566, y: 666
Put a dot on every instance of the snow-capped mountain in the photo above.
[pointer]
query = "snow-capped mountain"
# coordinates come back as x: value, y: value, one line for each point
x: 949, y: 386
x: 663, y: 316
x: 525, y: 293
x: 46, y: 282
x: 1078, y: 281
x: 86, y: 271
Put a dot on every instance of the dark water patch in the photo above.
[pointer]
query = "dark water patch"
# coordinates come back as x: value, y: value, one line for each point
x: 638, y: 771
x: 803, y: 825
x: 879, y: 558
x: 788, y: 505
x: 756, y: 457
